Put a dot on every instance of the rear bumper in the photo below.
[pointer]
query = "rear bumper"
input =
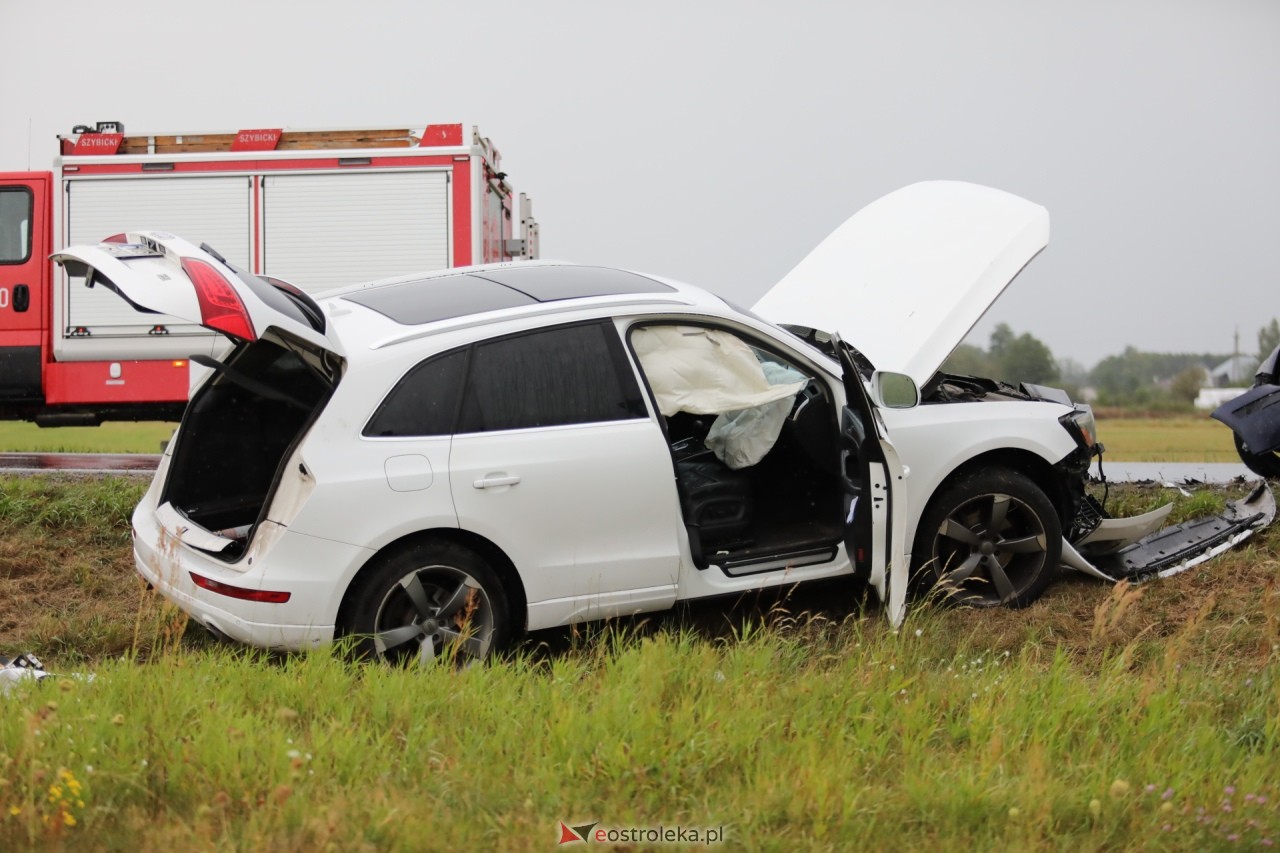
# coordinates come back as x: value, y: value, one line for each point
x: 314, y: 571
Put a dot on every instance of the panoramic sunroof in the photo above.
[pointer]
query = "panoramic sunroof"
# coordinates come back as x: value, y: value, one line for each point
x: 430, y: 300
x: 548, y: 283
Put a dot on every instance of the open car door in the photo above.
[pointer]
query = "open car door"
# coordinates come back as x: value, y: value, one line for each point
x: 156, y: 272
x: 873, y: 479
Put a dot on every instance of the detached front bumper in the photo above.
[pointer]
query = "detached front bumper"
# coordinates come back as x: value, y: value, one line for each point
x: 1133, y: 549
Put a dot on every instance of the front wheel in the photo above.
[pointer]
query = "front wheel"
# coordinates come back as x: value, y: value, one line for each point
x: 427, y: 602
x: 1263, y: 464
x: 989, y: 539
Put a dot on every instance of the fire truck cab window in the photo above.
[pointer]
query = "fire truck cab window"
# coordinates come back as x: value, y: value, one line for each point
x: 15, y: 225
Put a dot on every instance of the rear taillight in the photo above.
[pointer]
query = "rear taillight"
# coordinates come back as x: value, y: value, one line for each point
x: 220, y: 305
x: 265, y: 595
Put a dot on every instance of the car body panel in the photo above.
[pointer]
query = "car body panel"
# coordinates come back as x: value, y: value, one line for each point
x: 906, y: 278
x: 1029, y: 427
x: 1173, y: 550
x: 306, y: 619
x: 586, y: 508
x: 146, y: 270
x: 1255, y: 417
x: 588, y: 516
x: 1112, y: 534
x: 878, y: 467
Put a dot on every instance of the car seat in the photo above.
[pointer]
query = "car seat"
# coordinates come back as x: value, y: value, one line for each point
x: 714, y: 498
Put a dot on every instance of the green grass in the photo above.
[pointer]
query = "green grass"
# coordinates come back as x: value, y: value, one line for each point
x: 807, y: 736
x: 101, y: 505
x: 113, y: 437
x: 1100, y: 718
x: 1060, y: 726
x: 1174, y: 439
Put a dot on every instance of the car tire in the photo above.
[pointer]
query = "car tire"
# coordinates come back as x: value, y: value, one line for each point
x: 991, y: 538
x: 1266, y: 465
x: 428, y: 601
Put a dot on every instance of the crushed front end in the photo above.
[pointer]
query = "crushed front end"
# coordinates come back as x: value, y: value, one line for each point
x: 1138, y: 549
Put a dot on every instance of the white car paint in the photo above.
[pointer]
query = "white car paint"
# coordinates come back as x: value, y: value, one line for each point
x: 906, y: 278
x: 588, y: 514
x: 1027, y: 426
x: 154, y: 278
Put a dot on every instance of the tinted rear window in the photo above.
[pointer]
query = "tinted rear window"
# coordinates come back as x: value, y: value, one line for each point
x: 424, y: 402
x: 552, y: 377
x: 564, y: 375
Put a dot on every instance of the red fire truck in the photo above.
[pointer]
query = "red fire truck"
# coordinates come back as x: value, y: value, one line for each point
x: 315, y: 208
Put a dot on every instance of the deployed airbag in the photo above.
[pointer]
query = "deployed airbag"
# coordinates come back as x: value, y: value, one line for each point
x: 713, y: 372
x: 703, y: 371
x: 741, y: 439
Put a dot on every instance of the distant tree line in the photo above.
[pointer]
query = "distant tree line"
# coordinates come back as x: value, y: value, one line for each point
x: 1131, y: 379
x: 1013, y: 358
x: 1136, y: 379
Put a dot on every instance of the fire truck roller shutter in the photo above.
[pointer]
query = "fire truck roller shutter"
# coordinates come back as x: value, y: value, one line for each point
x: 390, y: 223
x: 213, y: 210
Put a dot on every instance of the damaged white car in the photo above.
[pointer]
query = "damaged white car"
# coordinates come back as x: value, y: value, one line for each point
x: 435, y: 463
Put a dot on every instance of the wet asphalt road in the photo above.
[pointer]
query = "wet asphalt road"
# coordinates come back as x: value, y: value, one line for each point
x: 80, y: 463
x: 1174, y: 472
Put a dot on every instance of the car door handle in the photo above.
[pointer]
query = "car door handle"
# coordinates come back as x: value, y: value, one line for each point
x: 493, y: 482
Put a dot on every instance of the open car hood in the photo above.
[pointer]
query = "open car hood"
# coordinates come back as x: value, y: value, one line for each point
x: 906, y: 278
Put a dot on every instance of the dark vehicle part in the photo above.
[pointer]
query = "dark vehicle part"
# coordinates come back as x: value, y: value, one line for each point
x: 1263, y: 464
x: 1254, y: 417
x: 1163, y: 553
x: 1158, y: 554
x: 238, y: 430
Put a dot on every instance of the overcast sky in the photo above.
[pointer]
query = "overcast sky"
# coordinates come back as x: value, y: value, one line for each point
x: 717, y: 142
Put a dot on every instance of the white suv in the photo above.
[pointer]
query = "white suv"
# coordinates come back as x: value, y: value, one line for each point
x: 434, y: 463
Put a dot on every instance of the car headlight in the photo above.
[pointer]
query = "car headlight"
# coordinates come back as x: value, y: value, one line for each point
x: 1083, y: 427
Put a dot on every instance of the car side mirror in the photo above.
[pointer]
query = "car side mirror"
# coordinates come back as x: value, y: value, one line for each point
x: 894, y: 390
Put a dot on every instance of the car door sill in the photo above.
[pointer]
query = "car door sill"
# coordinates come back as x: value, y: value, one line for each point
x: 791, y: 559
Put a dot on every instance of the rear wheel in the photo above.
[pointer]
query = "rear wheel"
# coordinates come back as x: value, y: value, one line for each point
x: 989, y: 539
x: 430, y: 601
x: 1263, y: 464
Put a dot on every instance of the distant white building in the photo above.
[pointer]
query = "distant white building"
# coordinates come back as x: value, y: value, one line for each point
x: 1237, y: 370
x: 1211, y: 398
